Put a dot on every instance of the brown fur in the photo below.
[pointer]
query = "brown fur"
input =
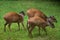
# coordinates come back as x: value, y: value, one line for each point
x: 34, y: 12
x: 38, y: 18
x: 13, y: 17
x: 36, y: 21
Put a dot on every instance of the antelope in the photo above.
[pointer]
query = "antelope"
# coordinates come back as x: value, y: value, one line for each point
x: 13, y: 17
x: 35, y: 12
x: 38, y: 18
x: 39, y: 22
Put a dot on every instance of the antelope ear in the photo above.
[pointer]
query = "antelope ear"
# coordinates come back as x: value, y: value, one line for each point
x: 50, y: 16
x: 21, y: 12
x: 53, y: 16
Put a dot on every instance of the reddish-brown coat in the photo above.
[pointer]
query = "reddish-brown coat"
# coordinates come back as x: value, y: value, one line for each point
x: 13, y: 17
x: 36, y: 21
x: 34, y: 12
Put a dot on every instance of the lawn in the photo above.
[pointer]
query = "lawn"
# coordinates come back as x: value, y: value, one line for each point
x: 47, y: 7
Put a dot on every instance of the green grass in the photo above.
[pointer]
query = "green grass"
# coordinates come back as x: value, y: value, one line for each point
x: 48, y: 8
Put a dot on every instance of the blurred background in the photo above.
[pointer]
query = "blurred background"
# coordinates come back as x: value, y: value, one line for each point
x: 48, y: 7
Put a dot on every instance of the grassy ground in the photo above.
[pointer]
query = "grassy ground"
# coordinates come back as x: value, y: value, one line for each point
x: 48, y: 8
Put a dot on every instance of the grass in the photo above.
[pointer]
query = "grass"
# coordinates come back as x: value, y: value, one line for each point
x: 48, y: 8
